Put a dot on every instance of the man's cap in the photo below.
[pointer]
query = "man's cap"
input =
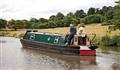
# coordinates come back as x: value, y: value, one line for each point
x: 71, y: 25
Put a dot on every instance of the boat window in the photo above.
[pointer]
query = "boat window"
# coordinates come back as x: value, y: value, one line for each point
x: 56, y: 39
x: 48, y: 39
x: 32, y: 36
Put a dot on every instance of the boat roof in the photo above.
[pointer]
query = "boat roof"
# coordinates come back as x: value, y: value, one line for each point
x: 46, y: 33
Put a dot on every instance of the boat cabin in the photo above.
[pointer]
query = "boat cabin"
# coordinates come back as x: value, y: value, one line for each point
x: 54, y: 38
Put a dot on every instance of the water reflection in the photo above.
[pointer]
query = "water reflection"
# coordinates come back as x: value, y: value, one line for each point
x: 2, y: 41
x: 89, y: 59
x: 15, y: 57
x: 71, y: 62
x: 64, y: 60
x: 110, y: 49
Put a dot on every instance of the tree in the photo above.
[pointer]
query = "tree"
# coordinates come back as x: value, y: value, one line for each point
x: 3, y: 23
x: 70, y: 14
x: 16, y: 24
x: 56, y: 21
x: 43, y: 20
x: 32, y: 23
x: 34, y: 20
x: 80, y: 14
x: 104, y: 10
x: 116, y: 16
x: 28, y: 25
x: 70, y: 19
x: 77, y: 14
x: 11, y: 24
x: 25, y: 22
x: 91, y: 11
x: 52, y: 18
x: 59, y: 16
x: 19, y: 24
x: 109, y: 15
x: 96, y: 18
x: 98, y: 11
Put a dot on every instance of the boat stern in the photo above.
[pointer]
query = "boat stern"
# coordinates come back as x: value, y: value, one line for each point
x: 88, y: 52
x: 85, y: 50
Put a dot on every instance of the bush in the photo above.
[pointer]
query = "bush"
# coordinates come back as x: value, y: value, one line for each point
x: 97, y: 18
x: 118, y: 40
x: 105, y: 40
x: 110, y: 41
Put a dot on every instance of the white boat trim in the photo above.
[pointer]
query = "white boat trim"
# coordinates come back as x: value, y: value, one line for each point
x: 84, y: 47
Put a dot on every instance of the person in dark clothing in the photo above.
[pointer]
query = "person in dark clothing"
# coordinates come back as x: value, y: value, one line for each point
x: 72, y: 33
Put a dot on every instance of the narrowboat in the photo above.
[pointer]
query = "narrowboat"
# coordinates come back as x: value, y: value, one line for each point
x: 53, y: 42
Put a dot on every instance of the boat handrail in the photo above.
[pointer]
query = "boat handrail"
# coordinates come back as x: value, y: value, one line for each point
x: 47, y: 33
x: 87, y: 34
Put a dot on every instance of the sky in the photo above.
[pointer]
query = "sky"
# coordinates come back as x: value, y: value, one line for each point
x: 26, y: 9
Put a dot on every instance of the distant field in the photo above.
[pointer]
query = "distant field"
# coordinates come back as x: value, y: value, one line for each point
x: 93, y: 28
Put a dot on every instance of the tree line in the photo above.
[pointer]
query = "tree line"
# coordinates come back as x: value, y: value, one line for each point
x: 108, y: 14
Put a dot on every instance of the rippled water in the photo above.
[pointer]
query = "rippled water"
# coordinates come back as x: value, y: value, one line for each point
x: 14, y: 57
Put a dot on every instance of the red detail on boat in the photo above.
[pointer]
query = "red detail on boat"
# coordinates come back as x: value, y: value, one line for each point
x: 87, y: 52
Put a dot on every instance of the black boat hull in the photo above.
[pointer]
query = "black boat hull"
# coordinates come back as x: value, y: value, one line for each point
x: 61, y: 49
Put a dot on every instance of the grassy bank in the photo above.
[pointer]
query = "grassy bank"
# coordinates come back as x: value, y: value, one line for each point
x: 92, y: 28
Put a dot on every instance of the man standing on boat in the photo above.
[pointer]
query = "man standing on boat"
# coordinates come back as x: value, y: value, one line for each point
x: 72, y: 33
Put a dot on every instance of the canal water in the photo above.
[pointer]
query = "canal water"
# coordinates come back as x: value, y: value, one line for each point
x: 14, y: 57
